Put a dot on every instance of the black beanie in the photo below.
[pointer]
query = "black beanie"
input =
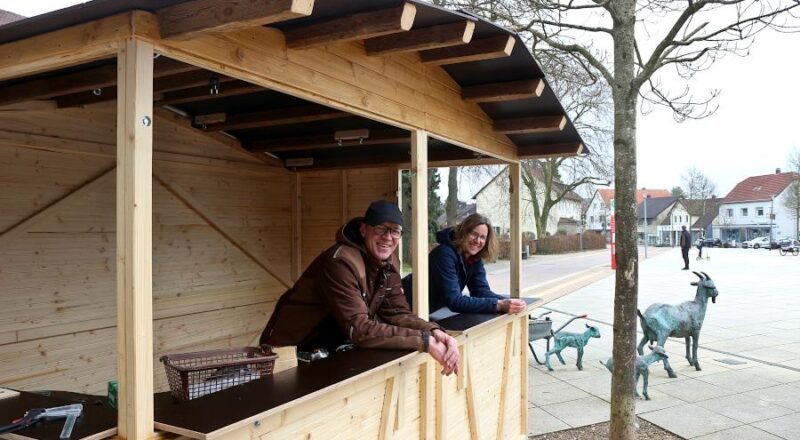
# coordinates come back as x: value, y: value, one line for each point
x: 382, y: 211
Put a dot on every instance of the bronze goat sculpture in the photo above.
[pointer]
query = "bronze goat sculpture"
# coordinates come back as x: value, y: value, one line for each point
x: 567, y: 339
x: 642, y: 366
x: 683, y: 320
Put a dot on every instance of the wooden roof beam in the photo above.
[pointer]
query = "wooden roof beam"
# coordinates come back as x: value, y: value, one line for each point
x: 163, y: 84
x: 202, y: 93
x: 543, y: 151
x: 272, y: 118
x: 393, y: 158
x: 188, y: 20
x: 82, y: 80
x: 445, y: 35
x: 477, y: 50
x: 355, y: 27
x: 504, y: 91
x: 535, y: 124
x: 326, y: 141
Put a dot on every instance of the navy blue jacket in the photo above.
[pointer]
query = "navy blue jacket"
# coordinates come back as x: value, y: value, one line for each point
x: 449, y: 273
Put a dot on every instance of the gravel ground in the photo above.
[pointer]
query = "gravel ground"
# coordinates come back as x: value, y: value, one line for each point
x: 647, y: 431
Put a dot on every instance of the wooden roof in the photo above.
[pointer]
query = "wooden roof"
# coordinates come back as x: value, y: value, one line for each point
x: 490, y: 64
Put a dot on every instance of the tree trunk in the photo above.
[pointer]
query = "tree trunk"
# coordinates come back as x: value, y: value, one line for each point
x: 623, y: 416
x: 451, y: 205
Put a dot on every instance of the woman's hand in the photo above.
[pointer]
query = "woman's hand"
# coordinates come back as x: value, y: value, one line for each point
x: 511, y: 306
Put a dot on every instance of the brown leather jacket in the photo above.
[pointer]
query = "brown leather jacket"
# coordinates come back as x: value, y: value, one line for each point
x: 345, y: 294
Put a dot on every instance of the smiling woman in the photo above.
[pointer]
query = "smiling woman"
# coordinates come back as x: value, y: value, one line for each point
x: 457, y: 263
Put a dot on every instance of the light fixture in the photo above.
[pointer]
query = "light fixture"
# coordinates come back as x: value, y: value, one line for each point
x: 359, y: 135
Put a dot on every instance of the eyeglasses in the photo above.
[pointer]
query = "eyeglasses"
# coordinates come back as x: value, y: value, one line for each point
x: 476, y: 236
x: 381, y: 231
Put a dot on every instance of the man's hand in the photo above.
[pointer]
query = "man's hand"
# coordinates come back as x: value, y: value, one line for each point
x: 511, y: 306
x: 444, y: 349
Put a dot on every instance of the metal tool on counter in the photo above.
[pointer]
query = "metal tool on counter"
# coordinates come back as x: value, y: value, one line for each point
x: 68, y: 412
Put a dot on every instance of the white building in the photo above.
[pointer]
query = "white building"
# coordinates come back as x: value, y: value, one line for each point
x: 492, y: 201
x: 598, y: 209
x: 756, y: 206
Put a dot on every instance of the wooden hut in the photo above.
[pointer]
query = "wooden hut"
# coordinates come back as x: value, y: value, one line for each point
x: 169, y: 167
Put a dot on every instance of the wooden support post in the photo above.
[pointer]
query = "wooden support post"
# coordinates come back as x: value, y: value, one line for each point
x: 419, y: 221
x: 515, y: 181
x: 400, y: 202
x: 135, y: 239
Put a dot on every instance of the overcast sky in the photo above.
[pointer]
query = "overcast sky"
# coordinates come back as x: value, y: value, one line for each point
x: 752, y: 133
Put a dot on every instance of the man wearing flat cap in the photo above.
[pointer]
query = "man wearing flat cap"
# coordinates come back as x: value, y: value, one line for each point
x: 353, y: 292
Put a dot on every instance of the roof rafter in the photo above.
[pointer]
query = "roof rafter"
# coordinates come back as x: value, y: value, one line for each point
x: 272, y: 118
x: 202, y: 93
x: 534, y: 124
x: 163, y: 84
x: 477, y: 50
x: 188, y: 20
x: 392, y: 158
x: 542, y: 151
x: 82, y: 80
x: 327, y: 141
x: 355, y: 27
x: 444, y: 35
x: 504, y: 91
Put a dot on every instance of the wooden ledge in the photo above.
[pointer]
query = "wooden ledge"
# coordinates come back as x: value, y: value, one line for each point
x: 469, y: 322
x: 243, y: 405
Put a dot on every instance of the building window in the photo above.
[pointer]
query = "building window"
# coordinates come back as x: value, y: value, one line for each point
x: 602, y: 219
x: 760, y: 211
x: 744, y: 212
x: 730, y: 212
x: 591, y: 219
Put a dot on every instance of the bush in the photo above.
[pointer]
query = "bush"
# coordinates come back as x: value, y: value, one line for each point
x: 555, y: 244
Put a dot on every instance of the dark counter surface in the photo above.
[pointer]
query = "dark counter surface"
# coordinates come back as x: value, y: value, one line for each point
x: 466, y: 321
x: 219, y: 410
x: 98, y: 420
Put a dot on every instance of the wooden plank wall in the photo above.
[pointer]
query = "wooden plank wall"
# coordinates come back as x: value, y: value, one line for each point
x: 485, y: 401
x: 331, y: 198
x: 221, y: 239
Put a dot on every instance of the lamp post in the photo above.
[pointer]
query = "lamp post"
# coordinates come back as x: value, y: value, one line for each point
x: 771, y: 218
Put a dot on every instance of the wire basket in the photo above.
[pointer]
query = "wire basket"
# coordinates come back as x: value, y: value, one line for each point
x: 192, y: 375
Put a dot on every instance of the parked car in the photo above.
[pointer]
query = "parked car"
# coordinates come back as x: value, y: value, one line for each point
x: 776, y: 244
x: 712, y: 242
x: 757, y: 243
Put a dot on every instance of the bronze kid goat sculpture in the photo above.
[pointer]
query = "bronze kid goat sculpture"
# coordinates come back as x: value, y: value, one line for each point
x: 641, y: 366
x: 684, y: 320
x: 567, y: 339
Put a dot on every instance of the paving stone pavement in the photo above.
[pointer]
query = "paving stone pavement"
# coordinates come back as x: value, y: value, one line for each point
x: 749, y: 386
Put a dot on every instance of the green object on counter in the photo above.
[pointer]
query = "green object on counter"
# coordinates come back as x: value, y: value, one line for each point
x: 112, y: 393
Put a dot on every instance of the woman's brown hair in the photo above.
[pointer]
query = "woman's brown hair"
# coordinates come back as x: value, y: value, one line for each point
x: 489, y: 251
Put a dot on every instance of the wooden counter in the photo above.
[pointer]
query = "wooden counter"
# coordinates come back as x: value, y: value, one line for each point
x: 368, y: 394
x: 97, y: 421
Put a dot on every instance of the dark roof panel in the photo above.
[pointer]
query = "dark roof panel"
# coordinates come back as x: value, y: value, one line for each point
x: 518, y: 66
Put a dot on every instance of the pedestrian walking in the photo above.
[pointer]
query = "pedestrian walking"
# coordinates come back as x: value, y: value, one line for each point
x: 686, y: 244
